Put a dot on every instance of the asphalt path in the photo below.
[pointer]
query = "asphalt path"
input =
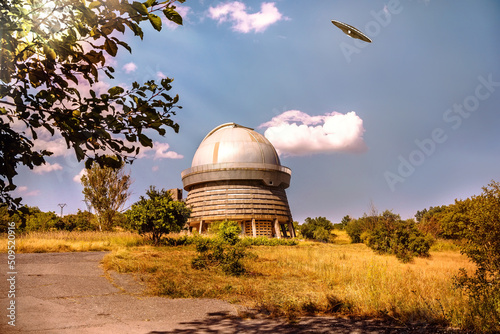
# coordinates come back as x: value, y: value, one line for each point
x: 70, y: 293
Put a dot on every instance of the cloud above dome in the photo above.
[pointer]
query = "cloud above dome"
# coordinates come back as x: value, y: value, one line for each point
x: 295, y: 133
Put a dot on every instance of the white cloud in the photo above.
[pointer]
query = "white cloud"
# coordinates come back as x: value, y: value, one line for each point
x: 296, y: 133
x: 155, y: 168
x: 129, y: 67
x: 78, y: 177
x: 32, y: 193
x: 236, y: 13
x: 47, y: 168
x: 23, y: 191
x: 160, y: 75
x: 161, y: 151
x: 55, y: 144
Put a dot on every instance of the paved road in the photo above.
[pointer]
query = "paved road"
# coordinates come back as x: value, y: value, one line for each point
x: 68, y: 293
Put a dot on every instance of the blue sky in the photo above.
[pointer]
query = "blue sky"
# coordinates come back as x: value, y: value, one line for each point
x: 406, y: 122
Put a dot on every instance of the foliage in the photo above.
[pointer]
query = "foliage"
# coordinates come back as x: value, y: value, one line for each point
x: 6, y: 217
x: 158, y: 214
x: 343, y: 223
x: 229, y: 231
x: 265, y: 241
x: 296, y: 228
x: 81, y: 221
x: 37, y: 220
x: 401, y: 239
x: 477, y: 221
x: 106, y: 189
x: 318, y: 228
x: 388, y: 234
x: 432, y: 221
x: 52, y: 54
x: 225, y: 251
x: 182, y: 240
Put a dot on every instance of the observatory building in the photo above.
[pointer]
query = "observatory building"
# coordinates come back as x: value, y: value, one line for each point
x: 236, y: 175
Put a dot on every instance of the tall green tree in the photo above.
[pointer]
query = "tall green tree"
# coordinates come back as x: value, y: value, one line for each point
x: 106, y: 189
x: 157, y: 214
x: 49, y: 51
x: 477, y: 222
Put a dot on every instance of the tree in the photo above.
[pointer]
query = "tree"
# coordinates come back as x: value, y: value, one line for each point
x: 106, y: 189
x: 51, y: 50
x: 431, y: 221
x: 37, y: 220
x: 345, y: 220
x: 477, y: 222
x: 158, y: 214
x: 318, y: 228
x: 80, y: 221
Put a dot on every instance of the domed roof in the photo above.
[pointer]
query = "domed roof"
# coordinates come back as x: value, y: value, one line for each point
x: 233, y: 143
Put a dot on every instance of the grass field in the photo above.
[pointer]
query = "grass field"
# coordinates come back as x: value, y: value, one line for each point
x: 63, y: 241
x: 291, y: 281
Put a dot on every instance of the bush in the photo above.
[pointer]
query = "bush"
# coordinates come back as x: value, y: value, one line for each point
x: 215, y: 253
x: 229, y: 231
x: 81, y: 221
x: 355, y: 229
x: 318, y: 228
x: 477, y: 222
x: 388, y: 234
x: 224, y: 251
x: 265, y: 241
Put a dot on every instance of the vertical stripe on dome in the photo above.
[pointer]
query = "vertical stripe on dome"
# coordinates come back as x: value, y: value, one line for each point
x: 262, y: 155
x: 216, y: 153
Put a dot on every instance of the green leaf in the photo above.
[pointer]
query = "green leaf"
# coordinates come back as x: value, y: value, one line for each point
x: 145, y: 141
x: 172, y: 15
x: 125, y: 45
x: 117, y: 90
x: 139, y: 7
x: 95, y: 4
x: 110, y: 47
x: 49, y: 52
x: 88, y: 163
x: 155, y: 21
x: 79, y: 152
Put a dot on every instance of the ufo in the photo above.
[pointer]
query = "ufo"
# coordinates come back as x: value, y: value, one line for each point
x: 351, y: 31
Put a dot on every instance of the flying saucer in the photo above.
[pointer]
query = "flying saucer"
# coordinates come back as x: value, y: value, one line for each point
x: 351, y: 31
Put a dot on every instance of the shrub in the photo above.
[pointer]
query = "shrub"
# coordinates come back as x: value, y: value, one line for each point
x: 388, y: 234
x: 216, y: 253
x: 477, y: 222
x: 224, y: 251
x: 317, y: 229
x: 229, y: 231
x: 81, y: 221
x: 265, y: 241
x: 355, y: 228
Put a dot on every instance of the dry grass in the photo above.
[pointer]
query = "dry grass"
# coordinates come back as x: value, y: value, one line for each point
x: 63, y: 241
x: 311, y: 278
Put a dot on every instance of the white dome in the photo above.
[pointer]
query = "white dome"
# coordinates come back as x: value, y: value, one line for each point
x: 233, y: 143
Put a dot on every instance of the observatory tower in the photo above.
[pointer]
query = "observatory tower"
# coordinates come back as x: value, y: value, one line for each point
x: 236, y: 175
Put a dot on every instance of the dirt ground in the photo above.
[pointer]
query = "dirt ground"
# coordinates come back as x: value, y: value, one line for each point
x: 69, y: 293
